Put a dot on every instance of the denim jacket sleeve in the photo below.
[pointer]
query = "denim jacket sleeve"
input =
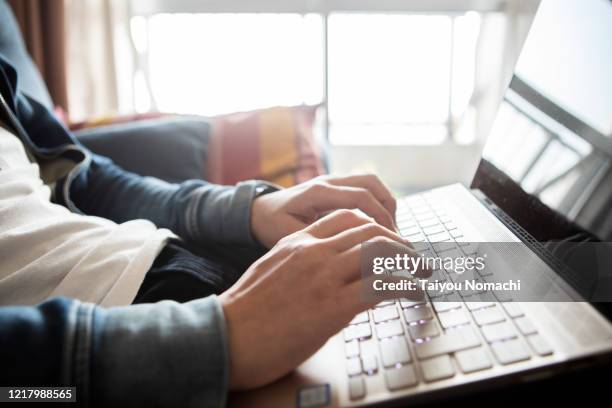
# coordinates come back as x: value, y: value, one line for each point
x: 165, y: 354
x: 196, y: 210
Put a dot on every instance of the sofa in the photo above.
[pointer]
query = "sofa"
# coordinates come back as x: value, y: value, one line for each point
x: 178, y: 147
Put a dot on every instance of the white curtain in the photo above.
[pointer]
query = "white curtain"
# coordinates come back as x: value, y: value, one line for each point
x: 98, y: 37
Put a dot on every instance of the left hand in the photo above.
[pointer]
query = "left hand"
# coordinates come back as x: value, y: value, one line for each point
x: 283, y: 212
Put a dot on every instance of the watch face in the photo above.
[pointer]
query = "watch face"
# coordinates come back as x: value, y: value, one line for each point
x: 265, y: 189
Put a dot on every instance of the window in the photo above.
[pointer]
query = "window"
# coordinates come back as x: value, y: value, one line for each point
x: 395, y: 78
x: 219, y: 63
x: 385, y: 78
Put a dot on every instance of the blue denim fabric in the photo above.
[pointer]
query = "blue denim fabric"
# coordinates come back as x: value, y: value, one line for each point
x: 165, y: 354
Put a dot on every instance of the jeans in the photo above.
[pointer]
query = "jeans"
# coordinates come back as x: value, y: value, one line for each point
x: 183, y: 272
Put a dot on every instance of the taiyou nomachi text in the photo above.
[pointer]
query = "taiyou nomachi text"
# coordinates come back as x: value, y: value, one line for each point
x: 446, y: 287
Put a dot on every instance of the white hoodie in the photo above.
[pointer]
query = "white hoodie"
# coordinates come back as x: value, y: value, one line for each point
x: 46, y: 250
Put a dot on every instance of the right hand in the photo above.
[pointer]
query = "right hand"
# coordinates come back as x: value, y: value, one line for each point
x: 289, y: 302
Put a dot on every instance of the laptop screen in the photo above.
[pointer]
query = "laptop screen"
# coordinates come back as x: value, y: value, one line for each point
x: 547, y: 160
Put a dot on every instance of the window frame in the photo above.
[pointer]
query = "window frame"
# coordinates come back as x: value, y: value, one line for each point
x: 324, y: 8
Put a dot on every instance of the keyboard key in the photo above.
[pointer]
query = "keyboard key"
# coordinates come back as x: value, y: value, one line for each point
x: 444, y: 306
x: 525, y: 326
x: 403, y: 216
x: 489, y: 315
x: 440, y: 212
x: 402, y: 377
x: 473, y: 360
x: 441, y: 237
x: 513, y: 309
x: 424, y: 216
x: 357, y: 331
x: 351, y: 348
x: 452, y: 341
x: 420, y: 246
x: 452, y: 297
x: 539, y: 345
x: 408, y: 227
x: 416, y: 238
x: 468, y: 248
x: 416, y: 314
x: 444, y: 246
x: 478, y: 305
x: 394, y: 351
x: 385, y: 313
x: 453, y: 318
x: 460, y: 277
x: 353, y: 366
x: 433, y: 230
x: 485, y: 272
x: 499, y: 331
x: 357, y: 388
x: 435, y: 293
x: 389, y: 329
x: 385, y: 303
x: 403, y: 213
x: 438, y: 275
x: 445, y: 219
x: 500, y: 295
x: 406, y: 303
x: 360, y: 318
x: 437, y: 368
x: 429, y: 222
x: 450, y: 226
x: 420, y: 209
x: 455, y: 233
x: 369, y: 364
x: 423, y: 331
x: 407, y: 232
x: 486, y: 299
x: 510, y: 351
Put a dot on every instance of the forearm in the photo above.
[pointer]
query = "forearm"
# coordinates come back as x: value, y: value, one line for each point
x: 163, y: 354
x: 197, y: 211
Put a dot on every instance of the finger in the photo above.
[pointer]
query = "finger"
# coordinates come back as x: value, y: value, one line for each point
x: 363, y: 233
x: 336, y: 222
x: 330, y: 197
x: 289, y: 225
x: 373, y: 184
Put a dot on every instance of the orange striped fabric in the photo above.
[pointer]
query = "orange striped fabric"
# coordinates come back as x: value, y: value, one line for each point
x: 275, y: 144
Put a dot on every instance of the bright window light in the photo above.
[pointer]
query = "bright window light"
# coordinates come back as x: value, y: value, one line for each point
x: 211, y: 64
x: 391, y: 78
x: 389, y: 68
x: 395, y: 75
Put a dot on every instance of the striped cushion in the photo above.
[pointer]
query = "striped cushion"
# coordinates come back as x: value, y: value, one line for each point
x: 275, y: 144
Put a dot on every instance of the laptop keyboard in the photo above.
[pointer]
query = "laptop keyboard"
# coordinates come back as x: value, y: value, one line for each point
x: 434, y: 339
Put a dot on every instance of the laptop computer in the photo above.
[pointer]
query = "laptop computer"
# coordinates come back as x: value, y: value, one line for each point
x: 543, y: 177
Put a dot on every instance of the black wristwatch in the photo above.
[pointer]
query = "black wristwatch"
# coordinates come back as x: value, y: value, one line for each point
x: 264, y: 187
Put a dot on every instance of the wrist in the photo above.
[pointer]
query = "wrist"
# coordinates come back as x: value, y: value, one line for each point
x: 258, y: 212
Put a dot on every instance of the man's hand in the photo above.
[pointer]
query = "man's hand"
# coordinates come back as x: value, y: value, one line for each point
x: 289, y: 302
x: 281, y: 213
